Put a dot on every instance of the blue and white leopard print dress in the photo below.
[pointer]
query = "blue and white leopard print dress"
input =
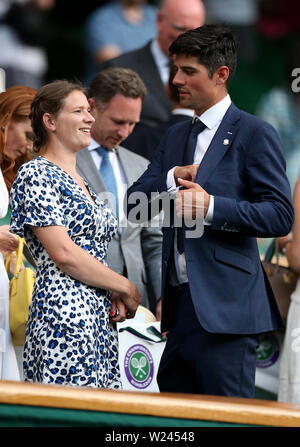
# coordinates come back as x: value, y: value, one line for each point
x: 69, y: 339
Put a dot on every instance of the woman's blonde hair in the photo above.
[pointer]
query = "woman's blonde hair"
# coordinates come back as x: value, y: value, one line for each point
x: 15, y: 105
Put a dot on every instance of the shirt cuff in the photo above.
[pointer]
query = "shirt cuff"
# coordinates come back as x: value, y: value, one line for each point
x: 172, y: 189
x: 171, y: 184
x: 210, y: 212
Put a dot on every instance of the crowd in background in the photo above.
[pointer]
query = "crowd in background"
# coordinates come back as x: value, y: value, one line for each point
x: 42, y: 40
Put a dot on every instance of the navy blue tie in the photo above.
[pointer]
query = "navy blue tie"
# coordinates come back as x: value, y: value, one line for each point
x: 197, y: 127
x: 107, y: 173
x: 188, y: 159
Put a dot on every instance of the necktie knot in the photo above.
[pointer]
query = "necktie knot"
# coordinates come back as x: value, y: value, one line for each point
x: 198, y: 126
x: 104, y: 153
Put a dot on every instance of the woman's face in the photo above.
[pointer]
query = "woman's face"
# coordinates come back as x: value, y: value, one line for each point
x: 18, y: 138
x: 73, y: 122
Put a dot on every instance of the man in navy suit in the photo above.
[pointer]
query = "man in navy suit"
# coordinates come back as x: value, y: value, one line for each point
x: 216, y: 298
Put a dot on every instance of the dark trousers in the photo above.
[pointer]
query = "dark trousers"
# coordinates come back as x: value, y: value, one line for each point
x: 196, y: 361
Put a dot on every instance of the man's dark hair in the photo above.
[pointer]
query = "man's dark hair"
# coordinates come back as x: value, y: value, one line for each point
x: 212, y: 45
x: 113, y: 80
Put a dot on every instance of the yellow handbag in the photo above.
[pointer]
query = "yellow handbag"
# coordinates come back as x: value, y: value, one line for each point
x: 20, y: 292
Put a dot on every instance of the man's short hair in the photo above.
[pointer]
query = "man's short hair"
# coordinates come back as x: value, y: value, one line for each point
x: 212, y: 45
x: 116, y: 80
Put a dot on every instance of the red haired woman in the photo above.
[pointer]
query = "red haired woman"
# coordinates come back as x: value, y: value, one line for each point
x: 15, y: 143
x: 15, y: 130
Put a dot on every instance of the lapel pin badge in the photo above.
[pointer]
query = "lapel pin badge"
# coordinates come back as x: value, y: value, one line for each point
x: 225, y: 142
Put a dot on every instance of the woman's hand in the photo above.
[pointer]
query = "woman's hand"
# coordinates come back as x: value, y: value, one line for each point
x: 131, y: 299
x: 118, y: 310
x: 8, y: 241
x: 13, y: 263
x: 124, y: 305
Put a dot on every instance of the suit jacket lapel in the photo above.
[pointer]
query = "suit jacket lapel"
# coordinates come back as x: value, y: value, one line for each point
x: 176, y: 151
x: 219, y: 145
x: 130, y: 177
x: 86, y: 167
x: 127, y: 167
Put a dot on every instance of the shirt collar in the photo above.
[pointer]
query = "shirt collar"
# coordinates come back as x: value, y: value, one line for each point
x: 214, y: 115
x: 182, y: 111
x: 93, y: 145
x: 160, y: 58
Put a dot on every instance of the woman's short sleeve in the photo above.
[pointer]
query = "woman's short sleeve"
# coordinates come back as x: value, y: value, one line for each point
x: 35, y: 200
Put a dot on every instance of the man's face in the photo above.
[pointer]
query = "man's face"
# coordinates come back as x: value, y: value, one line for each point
x: 115, y: 121
x: 197, y: 90
x: 176, y: 18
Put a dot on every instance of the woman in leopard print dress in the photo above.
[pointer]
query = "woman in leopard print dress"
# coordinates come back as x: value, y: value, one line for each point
x: 71, y: 337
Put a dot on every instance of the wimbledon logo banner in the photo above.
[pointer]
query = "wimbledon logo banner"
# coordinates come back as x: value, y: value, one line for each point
x: 139, y: 366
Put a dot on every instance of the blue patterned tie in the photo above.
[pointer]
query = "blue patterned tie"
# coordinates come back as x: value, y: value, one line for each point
x: 108, y: 176
x: 188, y: 159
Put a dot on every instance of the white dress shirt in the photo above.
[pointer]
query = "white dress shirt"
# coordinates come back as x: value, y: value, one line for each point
x: 182, y: 111
x: 212, y: 119
x: 161, y: 60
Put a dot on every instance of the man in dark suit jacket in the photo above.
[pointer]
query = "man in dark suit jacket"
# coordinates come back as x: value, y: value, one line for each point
x: 216, y: 298
x: 152, y: 61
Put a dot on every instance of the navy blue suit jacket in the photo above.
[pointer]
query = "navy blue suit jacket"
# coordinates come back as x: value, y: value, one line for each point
x: 252, y: 198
